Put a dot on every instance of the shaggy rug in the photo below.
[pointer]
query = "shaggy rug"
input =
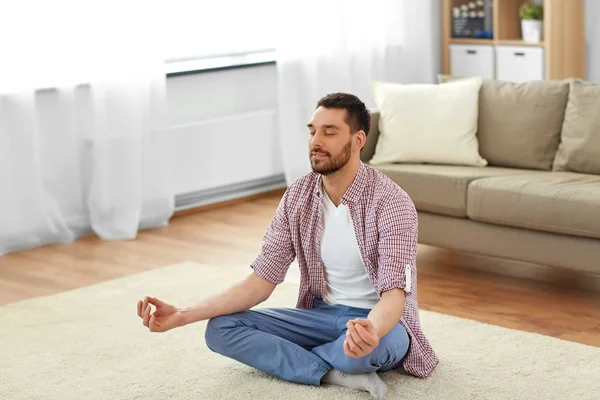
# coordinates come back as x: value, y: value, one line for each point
x: 90, y: 344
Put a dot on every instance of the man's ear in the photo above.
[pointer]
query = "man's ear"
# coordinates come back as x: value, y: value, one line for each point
x: 361, y: 138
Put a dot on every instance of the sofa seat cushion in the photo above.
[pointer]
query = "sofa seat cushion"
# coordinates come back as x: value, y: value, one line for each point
x: 559, y: 202
x: 440, y: 189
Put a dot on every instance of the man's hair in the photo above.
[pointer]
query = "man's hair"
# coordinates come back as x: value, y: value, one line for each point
x: 358, y: 116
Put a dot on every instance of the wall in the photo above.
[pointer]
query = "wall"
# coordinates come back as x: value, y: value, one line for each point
x: 592, y: 40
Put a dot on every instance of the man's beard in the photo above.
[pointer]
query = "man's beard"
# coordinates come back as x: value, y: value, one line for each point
x: 331, y: 165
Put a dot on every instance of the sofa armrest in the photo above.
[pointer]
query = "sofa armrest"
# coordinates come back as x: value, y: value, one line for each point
x: 368, y: 149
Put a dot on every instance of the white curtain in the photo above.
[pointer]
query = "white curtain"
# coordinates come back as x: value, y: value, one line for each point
x: 326, y: 46
x: 82, y: 104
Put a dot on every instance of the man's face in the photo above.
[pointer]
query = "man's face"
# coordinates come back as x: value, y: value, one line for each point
x: 330, y: 144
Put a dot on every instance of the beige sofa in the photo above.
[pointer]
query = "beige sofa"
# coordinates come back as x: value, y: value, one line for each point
x: 538, y: 199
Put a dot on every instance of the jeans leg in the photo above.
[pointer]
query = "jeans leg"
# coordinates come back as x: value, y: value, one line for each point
x: 386, y: 356
x: 275, y: 341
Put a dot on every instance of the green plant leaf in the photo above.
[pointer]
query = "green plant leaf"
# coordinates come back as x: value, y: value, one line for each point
x: 531, y: 11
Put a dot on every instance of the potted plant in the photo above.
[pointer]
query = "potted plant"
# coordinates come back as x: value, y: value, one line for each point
x: 532, y: 21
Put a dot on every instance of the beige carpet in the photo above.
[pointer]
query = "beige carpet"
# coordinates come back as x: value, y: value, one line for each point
x: 90, y: 344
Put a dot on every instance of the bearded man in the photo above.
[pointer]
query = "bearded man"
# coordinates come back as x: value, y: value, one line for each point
x: 354, y: 233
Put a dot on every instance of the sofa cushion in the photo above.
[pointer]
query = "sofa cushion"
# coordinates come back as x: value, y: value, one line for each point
x: 519, y: 124
x: 440, y: 189
x: 559, y: 202
x: 428, y: 123
x: 579, y: 148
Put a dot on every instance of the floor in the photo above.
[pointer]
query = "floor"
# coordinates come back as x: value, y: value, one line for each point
x: 230, y: 235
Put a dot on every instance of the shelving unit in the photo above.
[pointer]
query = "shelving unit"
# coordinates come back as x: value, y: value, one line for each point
x: 562, y: 49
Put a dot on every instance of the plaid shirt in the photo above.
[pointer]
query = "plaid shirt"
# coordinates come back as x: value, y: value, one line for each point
x: 386, y: 225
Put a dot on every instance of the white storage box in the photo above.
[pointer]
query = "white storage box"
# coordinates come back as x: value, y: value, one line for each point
x: 519, y: 63
x: 472, y: 60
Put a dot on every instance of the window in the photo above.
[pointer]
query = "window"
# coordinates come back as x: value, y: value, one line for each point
x: 217, y: 33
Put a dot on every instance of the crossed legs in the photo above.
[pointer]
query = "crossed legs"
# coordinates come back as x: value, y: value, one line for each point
x: 301, y: 345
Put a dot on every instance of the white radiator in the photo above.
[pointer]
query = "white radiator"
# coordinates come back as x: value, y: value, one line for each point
x: 225, y: 158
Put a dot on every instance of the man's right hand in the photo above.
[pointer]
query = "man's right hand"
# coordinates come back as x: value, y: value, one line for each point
x: 165, y: 317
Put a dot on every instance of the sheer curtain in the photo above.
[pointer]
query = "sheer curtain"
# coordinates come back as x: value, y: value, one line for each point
x: 82, y: 103
x: 326, y: 46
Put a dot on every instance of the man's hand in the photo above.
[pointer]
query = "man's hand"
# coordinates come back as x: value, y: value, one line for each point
x: 361, y: 338
x: 165, y: 317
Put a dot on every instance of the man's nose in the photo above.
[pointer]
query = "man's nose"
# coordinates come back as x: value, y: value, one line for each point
x: 316, y: 140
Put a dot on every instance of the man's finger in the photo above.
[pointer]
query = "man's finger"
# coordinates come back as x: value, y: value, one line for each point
x: 368, y: 337
x: 347, y: 350
x: 353, y: 345
x: 147, y: 315
x: 151, y: 322
x: 366, y: 324
x: 350, y: 343
x: 355, y: 328
x: 363, y: 322
x: 155, y: 301
x: 356, y: 337
x: 139, y: 308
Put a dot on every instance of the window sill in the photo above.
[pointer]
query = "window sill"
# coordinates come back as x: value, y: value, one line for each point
x: 219, y: 63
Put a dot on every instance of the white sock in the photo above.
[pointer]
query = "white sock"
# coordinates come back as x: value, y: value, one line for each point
x: 370, y: 382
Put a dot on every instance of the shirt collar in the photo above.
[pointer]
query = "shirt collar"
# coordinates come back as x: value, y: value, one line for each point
x: 354, y: 190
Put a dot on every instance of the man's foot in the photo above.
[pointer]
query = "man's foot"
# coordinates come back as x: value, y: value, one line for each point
x: 370, y: 382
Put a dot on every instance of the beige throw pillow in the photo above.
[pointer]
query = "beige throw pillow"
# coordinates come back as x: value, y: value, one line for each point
x: 579, y: 148
x: 428, y: 123
x: 520, y: 123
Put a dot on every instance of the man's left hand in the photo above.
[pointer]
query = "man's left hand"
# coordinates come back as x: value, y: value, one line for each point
x: 361, y: 338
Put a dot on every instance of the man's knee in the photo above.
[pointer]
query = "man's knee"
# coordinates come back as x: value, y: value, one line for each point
x: 397, y: 338
x: 215, y: 331
x: 393, y: 347
x: 390, y: 351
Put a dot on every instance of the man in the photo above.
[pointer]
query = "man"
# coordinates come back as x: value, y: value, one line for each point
x: 354, y: 233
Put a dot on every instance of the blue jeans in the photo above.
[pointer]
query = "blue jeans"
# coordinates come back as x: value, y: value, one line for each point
x: 301, y: 345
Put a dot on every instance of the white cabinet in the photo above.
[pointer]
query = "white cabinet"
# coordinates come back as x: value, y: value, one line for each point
x: 500, y: 62
x: 472, y: 60
x: 519, y: 63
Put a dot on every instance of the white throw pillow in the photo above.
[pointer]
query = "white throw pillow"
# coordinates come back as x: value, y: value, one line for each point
x: 428, y: 123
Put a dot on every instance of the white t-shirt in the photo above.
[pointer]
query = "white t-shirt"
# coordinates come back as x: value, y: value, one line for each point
x: 347, y: 279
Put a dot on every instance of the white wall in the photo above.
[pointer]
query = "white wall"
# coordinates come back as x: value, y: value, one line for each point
x: 592, y: 40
